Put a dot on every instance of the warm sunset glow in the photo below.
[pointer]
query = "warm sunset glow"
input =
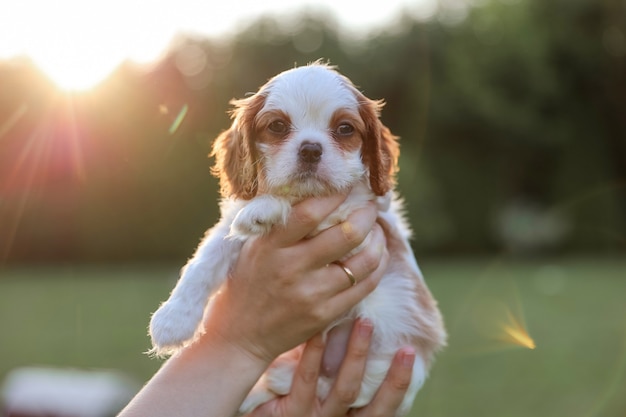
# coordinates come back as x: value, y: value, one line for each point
x: 76, y: 76
x: 76, y: 43
x: 79, y: 43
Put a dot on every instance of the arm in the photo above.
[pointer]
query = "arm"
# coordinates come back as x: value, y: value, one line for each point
x: 209, y: 378
x: 281, y: 292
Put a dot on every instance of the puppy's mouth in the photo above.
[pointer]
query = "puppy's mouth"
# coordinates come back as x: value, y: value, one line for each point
x: 305, y: 171
x: 307, y: 181
x: 310, y: 176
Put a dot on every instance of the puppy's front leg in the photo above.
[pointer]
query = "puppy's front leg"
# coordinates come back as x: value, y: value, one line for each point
x: 259, y: 215
x: 178, y: 320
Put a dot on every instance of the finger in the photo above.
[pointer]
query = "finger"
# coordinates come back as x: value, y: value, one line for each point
x: 368, y: 259
x: 337, y: 241
x: 340, y: 276
x: 304, y: 218
x: 393, y: 389
x: 347, y: 296
x: 347, y: 386
x: 367, y: 267
x: 302, y: 396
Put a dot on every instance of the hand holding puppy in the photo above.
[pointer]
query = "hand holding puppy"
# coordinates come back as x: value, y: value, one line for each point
x: 285, y: 286
x: 212, y: 376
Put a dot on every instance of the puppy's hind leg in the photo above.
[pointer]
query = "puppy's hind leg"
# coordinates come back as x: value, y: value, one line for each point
x: 276, y: 381
x: 375, y: 374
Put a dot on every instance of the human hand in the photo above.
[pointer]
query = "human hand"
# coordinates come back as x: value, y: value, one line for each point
x: 302, y: 400
x: 284, y: 288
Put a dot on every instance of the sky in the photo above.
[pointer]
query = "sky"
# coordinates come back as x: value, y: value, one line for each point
x: 77, y: 43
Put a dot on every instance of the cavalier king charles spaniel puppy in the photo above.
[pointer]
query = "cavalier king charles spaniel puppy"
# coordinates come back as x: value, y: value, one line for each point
x: 309, y: 132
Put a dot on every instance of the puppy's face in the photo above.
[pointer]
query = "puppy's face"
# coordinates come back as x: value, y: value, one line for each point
x: 307, y: 132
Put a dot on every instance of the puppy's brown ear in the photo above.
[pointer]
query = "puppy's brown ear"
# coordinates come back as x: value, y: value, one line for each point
x: 235, y: 153
x: 380, y: 147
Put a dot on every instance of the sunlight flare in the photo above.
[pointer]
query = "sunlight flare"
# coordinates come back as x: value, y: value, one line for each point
x: 499, y: 323
x: 179, y: 120
x: 515, y: 333
x: 16, y: 115
x: 76, y: 75
x: 493, y: 318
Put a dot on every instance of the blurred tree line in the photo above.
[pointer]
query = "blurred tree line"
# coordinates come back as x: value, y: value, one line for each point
x: 512, y: 115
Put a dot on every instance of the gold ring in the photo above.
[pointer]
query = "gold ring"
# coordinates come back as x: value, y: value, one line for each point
x: 348, y: 273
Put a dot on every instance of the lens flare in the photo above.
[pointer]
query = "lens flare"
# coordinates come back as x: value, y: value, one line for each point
x: 493, y: 316
x: 13, y: 119
x: 179, y: 120
x: 498, y: 324
x: 48, y: 152
x: 515, y: 333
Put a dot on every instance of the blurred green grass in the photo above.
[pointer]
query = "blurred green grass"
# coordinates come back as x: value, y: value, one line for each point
x: 574, y: 310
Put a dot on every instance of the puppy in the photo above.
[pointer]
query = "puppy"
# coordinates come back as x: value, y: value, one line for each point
x: 309, y: 132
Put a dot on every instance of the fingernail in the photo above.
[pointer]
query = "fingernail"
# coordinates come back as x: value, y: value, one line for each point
x: 366, y: 327
x: 407, y: 357
x: 318, y: 340
x: 346, y: 227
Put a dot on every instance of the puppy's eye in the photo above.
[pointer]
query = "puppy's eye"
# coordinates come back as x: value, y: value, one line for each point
x: 278, y: 126
x: 345, y: 129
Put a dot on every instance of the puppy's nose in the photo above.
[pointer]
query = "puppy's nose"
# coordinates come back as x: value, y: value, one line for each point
x: 310, y: 152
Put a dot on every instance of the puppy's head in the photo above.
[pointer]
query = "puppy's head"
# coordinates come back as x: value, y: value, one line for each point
x: 306, y: 132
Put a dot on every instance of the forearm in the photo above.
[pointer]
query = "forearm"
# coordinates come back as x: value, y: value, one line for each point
x: 209, y: 378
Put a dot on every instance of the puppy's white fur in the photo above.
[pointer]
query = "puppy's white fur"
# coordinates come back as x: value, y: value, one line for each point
x: 264, y: 167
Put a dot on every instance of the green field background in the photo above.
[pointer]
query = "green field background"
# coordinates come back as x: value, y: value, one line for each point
x: 573, y: 310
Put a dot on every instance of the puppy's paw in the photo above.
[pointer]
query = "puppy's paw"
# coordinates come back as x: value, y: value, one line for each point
x: 276, y: 381
x: 258, y: 217
x: 279, y: 375
x: 172, y: 325
x: 376, y: 372
x: 255, y: 398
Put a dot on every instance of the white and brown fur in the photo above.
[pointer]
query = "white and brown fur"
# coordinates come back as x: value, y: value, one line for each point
x: 309, y: 132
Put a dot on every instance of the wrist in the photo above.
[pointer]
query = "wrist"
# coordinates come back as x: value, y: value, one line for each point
x: 233, y: 348
x: 237, y: 335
